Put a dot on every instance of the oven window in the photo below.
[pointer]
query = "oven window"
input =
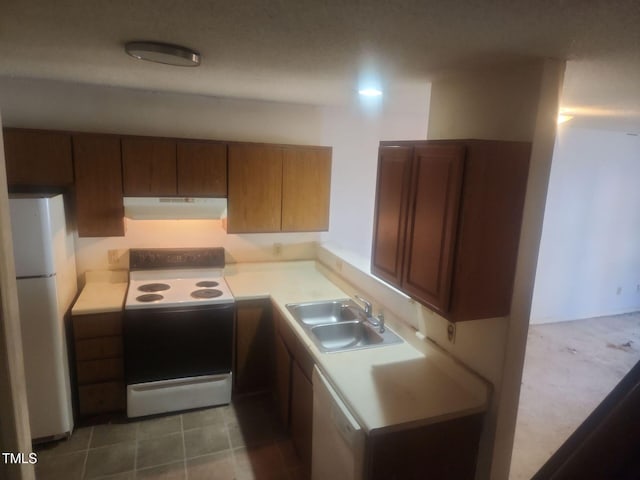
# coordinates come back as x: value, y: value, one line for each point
x: 163, y: 344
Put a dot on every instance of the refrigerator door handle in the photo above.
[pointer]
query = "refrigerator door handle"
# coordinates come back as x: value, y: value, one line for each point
x: 29, y: 277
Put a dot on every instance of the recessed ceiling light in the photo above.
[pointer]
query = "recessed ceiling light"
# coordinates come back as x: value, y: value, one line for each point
x: 370, y: 92
x: 166, y: 53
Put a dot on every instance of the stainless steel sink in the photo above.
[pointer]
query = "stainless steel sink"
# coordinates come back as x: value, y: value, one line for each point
x: 339, y: 325
x: 320, y: 313
x: 339, y: 336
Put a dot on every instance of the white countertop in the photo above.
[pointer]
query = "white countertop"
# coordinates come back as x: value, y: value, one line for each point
x: 104, y: 291
x: 384, y: 386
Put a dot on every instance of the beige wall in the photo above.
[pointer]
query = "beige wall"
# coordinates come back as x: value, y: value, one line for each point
x: 584, y: 270
x: 506, y: 102
x: 90, y: 108
x: 15, y: 435
x: 495, y: 103
x: 92, y: 253
x: 540, y: 167
x: 352, y: 131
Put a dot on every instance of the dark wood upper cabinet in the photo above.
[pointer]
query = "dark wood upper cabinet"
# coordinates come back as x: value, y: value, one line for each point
x: 452, y: 244
x: 432, y: 222
x: 202, y: 169
x: 98, y: 186
x: 149, y: 166
x: 394, y: 170
x: 275, y: 188
x: 38, y: 158
x: 306, y: 185
x: 255, y: 188
x: 270, y: 187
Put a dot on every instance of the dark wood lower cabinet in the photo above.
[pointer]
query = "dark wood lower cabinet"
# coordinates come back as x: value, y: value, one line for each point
x: 104, y: 397
x: 444, y: 450
x: 292, y: 388
x: 282, y: 380
x: 99, y: 363
x: 254, y: 346
x: 301, y: 415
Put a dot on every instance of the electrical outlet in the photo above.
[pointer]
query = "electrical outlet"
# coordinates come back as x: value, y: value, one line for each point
x: 638, y: 288
x: 113, y: 256
x: 277, y: 249
x: 618, y: 290
x: 451, y: 332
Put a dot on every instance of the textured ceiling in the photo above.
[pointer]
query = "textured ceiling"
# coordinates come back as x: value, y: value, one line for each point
x: 317, y: 51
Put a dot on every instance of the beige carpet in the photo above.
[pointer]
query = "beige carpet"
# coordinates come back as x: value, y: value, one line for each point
x: 569, y: 368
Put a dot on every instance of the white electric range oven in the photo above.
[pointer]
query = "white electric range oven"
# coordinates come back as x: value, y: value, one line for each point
x: 178, y: 331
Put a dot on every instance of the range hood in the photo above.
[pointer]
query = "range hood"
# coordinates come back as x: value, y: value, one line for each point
x: 174, y: 208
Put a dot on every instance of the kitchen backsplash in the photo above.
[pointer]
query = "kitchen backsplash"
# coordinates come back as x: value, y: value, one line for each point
x: 111, y: 253
x: 478, y: 344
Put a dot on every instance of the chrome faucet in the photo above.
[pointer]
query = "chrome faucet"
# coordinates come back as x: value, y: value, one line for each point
x: 377, y: 322
x: 368, y: 309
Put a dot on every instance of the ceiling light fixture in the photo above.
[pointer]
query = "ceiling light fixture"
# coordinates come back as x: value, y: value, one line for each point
x: 370, y: 92
x: 165, y: 53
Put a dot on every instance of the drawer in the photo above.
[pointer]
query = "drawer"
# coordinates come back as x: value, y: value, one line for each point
x: 101, y: 347
x: 102, y: 398
x: 97, y: 325
x: 93, y: 371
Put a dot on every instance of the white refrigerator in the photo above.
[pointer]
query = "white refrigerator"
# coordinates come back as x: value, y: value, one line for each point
x: 47, y: 283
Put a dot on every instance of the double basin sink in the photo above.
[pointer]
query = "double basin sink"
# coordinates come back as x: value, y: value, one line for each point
x: 340, y: 325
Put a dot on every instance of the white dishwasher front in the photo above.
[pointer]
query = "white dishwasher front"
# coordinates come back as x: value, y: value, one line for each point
x: 338, y: 439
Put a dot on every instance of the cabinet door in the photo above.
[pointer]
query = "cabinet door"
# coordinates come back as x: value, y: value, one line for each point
x: 37, y: 158
x: 306, y: 183
x: 99, y: 365
x: 99, y: 370
x: 98, y: 169
x: 102, y: 398
x: 254, y: 346
x: 202, y: 169
x: 255, y: 188
x: 97, y: 325
x: 101, y: 347
x: 443, y: 450
x: 149, y: 166
x: 392, y: 199
x: 282, y: 379
x: 301, y: 415
x: 432, y: 223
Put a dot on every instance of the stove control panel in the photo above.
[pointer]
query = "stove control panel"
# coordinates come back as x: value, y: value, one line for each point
x: 167, y: 258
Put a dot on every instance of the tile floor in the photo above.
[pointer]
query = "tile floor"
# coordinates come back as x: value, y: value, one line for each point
x: 239, y: 441
x: 569, y: 368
